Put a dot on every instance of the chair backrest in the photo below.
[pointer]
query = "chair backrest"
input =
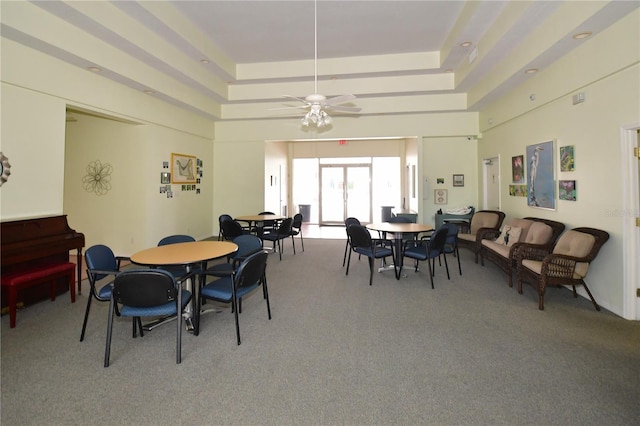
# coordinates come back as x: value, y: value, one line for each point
x: 175, y: 239
x: 359, y: 236
x: 247, y: 245
x: 223, y: 218
x: 297, y: 220
x: 252, y: 270
x: 398, y: 219
x: 143, y: 288
x: 452, y: 234
x: 486, y: 219
x: 536, y: 234
x: 438, y: 241
x: 231, y: 229
x: 100, y: 257
x: 582, y: 243
x: 350, y: 221
x: 285, y: 227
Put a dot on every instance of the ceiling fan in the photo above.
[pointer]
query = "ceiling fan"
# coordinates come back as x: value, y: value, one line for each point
x: 316, y: 103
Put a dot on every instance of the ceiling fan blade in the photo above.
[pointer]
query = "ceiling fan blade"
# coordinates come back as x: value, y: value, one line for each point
x: 293, y: 97
x: 343, y: 108
x: 289, y: 107
x: 339, y: 99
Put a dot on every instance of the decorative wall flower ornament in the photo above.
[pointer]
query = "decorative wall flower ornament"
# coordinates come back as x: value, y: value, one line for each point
x: 98, y: 178
x: 4, y: 168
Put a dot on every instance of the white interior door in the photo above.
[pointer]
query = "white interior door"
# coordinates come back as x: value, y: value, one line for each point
x: 491, y: 177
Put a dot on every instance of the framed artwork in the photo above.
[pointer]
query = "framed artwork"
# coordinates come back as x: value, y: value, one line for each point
x: 183, y: 168
x: 165, y: 177
x: 567, y: 190
x: 567, y: 158
x: 518, y: 190
x: 541, y: 179
x: 440, y: 196
x: 458, y: 180
x: 517, y: 169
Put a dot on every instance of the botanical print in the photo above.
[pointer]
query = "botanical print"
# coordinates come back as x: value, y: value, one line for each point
x: 540, y: 179
x: 567, y: 158
x: 567, y: 190
x: 517, y: 168
x: 518, y: 190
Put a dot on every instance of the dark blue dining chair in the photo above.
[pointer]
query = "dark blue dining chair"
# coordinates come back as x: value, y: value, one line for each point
x: 250, y: 275
x: 140, y: 293
x: 451, y: 244
x: 282, y: 232
x: 101, y: 263
x: 362, y: 243
x: 429, y: 249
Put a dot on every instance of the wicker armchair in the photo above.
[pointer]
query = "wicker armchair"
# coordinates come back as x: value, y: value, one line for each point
x: 483, y: 221
x: 568, y: 264
x: 535, y: 232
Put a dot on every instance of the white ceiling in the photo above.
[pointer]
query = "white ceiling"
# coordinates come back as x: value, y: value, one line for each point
x: 242, y: 39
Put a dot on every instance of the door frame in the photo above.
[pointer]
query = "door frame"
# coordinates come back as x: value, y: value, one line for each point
x: 630, y: 210
x: 344, y: 167
x: 486, y: 164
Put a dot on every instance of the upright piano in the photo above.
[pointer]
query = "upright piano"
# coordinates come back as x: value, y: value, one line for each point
x: 29, y: 243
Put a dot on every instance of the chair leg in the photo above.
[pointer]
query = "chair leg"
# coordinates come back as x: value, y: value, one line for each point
x: 293, y: 242
x: 446, y: 265
x: 457, y: 254
x: 431, y: 270
x: 179, y: 327
x: 301, y: 240
x: 371, y: 262
x: 344, y: 258
x: 266, y: 295
x: 86, y: 316
x: 595, y: 305
x: 107, y: 349
x: 234, y: 302
x: 348, y: 261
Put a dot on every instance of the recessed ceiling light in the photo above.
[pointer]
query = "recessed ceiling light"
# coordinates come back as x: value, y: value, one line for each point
x: 449, y: 70
x: 465, y: 44
x: 204, y: 61
x: 531, y: 71
x: 149, y: 92
x: 580, y: 36
x: 94, y: 69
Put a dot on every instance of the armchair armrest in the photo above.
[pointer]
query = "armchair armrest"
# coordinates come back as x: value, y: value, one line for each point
x: 529, y: 251
x: 487, y: 234
x: 559, y: 266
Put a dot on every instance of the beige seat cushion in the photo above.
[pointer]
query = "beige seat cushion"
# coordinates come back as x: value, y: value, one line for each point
x: 523, y: 224
x: 539, y: 233
x: 467, y: 237
x: 496, y: 247
x: 483, y: 220
x: 576, y: 244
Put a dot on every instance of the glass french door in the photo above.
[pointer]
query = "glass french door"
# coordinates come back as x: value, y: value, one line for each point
x: 345, y: 191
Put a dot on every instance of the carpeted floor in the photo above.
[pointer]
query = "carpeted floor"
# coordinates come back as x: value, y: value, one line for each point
x: 337, y: 351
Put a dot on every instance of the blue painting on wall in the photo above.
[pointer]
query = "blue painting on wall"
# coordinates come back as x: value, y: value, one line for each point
x: 540, y: 177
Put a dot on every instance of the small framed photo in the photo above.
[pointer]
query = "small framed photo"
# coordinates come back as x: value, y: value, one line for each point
x: 165, y: 177
x: 458, y: 180
x: 567, y: 190
x: 440, y: 196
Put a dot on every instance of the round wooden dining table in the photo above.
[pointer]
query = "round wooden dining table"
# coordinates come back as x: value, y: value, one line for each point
x: 188, y: 255
x: 399, y: 230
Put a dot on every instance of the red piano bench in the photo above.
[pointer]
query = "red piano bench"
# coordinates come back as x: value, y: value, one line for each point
x: 38, y: 275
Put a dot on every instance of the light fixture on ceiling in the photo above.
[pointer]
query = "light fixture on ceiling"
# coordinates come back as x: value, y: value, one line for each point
x: 531, y: 71
x: 316, y: 114
x: 204, y: 61
x: 582, y: 35
x: 318, y: 104
x: 94, y: 69
x: 149, y: 92
x: 465, y: 44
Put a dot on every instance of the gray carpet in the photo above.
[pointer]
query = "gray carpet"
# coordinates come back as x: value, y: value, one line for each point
x: 337, y: 351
